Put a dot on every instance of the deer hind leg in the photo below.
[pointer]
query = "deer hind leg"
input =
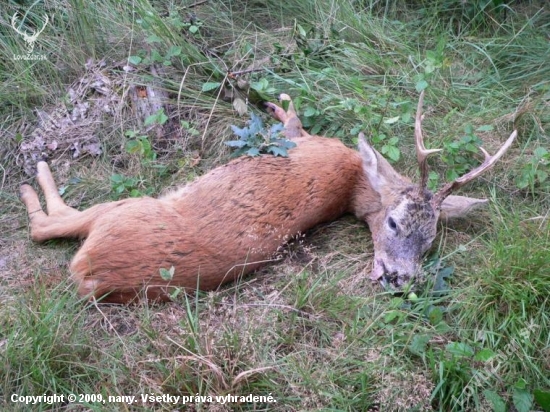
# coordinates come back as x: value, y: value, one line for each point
x: 61, y: 220
x: 289, y: 118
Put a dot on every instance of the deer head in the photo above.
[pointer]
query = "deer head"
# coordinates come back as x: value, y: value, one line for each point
x: 404, y: 227
x: 29, y: 39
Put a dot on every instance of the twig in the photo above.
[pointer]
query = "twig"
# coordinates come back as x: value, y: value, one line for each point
x: 197, y: 3
x: 233, y: 75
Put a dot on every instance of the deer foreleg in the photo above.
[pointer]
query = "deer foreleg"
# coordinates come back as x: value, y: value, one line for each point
x: 289, y: 118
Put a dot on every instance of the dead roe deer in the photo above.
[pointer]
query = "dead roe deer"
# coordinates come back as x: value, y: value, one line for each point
x: 232, y: 220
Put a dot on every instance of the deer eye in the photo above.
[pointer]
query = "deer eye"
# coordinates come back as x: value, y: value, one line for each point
x: 392, y: 224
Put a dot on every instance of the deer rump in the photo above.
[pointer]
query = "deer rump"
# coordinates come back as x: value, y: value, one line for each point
x: 234, y: 219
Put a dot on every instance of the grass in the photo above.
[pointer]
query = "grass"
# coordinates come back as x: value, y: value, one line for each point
x: 311, y: 331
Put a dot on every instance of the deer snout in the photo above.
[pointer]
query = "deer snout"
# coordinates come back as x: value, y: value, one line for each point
x: 395, y: 275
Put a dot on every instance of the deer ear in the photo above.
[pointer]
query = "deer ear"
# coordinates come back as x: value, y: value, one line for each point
x: 454, y: 207
x: 378, y: 170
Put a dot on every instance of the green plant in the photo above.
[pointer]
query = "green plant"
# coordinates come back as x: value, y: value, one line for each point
x: 464, y: 372
x: 389, y: 146
x: 121, y: 185
x: 139, y: 145
x: 534, y: 172
x: 459, y: 154
x: 264, y: 90
x: 185, y: 125
x: 434, y: 60
x: 147, y: 58
x: 256, y: 139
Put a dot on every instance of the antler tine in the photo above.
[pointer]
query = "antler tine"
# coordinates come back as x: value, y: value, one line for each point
x: 487, y: 164
x: 421, y: 152
x: 44, y: 26
x: 13, y: 21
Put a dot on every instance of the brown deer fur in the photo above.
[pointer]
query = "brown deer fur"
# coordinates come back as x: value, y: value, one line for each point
x: 232, y: 220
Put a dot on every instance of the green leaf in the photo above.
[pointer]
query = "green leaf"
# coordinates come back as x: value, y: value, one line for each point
x: 133, y: 146
x: 543, y: 399
x: 540, y: 152
x: 523, y: 400
x: 278, y: 151
x: 310, y: 111
x: 158, y: 117
x: 391, y: 315
x: 167, y: 274
x: 193, y: 29
x: 155, y: 55
x: 256, y: 124
x: 421, y: 85
x: 253, y: 151
x: 497, y: 403
x: 418, y: 344
x: 162, y: 118
x: 275, y: 129
x: 153, y: 38
x: 440, y: 285
x: 460, y: 349
x: 236, y: 143
x: 316, y: 128
x: 435, y: 314
x: 260, y: 85
x: 451, y: 175
x: 287, y: 144
x: 523, y: 181
x: 208, y: 86
x: 135, y: 60
x: 542, y: 175
x: 173, y: 51
x: 443, y: 328
x: 429, y: 67
x: 243, y: 133
x: 392, y: 120
x: 521, y: 384
x: 484, y: 355
x: 392, y: 152
x: 117, y: 178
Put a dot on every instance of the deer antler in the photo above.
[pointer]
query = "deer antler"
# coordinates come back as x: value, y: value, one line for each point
x: 487, y: 164
x: 35, y: 34
x: 421, y: 152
